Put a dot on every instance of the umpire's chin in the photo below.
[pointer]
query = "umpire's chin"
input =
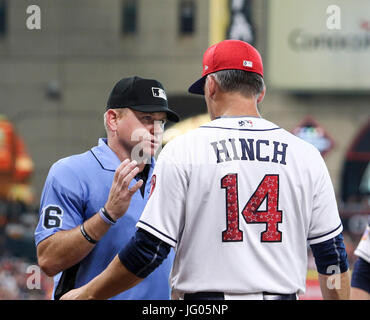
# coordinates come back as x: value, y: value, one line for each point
x: 150, y: 147
x: 145, y: 150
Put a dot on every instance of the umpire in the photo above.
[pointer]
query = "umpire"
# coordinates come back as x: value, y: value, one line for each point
x: 92, y: 201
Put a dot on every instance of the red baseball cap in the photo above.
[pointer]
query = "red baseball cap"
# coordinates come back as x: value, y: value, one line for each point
x: 228, y: 54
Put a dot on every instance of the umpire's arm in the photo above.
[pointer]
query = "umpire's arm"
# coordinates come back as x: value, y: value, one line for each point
x: 113, y: 280
x: 65, y: 248
x: 141, y: 256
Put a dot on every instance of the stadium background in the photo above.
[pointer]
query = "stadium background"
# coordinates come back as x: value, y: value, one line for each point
x: 54, y: 83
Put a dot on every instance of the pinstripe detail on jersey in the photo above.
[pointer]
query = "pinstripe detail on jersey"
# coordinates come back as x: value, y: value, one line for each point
x: 155, y: 257
x: 326, y: 234
x: 155, y: 229
x: 330, y: 255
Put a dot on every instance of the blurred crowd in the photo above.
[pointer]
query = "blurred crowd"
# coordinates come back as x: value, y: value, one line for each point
x: 18, y: 219
x: 18, y: 253
x: 15, y: 281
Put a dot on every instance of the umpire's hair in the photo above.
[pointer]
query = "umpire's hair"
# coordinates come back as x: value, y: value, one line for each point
x: 249, y: 84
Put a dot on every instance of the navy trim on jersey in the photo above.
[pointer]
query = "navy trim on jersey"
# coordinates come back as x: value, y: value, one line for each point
x: 323, y: 235
x: 143, y: 253
x: 330, y: 256
x: 239, y: 129
x: 361, y: 275
x: 155, y: 229
x: 233, y: 117
x: 100, y: 162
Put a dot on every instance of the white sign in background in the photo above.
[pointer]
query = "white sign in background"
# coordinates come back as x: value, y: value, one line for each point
x: 318, y: 45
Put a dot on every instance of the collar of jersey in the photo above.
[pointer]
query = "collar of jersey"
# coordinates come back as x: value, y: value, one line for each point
x: 233, y: 117
x: 232, y: 122
x: 105, y: 155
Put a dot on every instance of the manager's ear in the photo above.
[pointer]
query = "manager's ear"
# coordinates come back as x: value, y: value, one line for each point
x: 261, y: 95
x: 211, y: 87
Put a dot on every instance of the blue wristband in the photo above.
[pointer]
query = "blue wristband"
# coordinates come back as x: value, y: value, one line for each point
x: 106, y: 217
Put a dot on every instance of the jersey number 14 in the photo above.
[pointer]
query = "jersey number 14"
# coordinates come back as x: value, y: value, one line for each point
x: 268, y: 189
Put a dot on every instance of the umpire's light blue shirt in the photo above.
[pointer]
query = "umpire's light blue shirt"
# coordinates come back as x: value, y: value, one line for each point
x: 75, y: 189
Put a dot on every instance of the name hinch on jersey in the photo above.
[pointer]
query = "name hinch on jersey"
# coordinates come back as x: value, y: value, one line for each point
x: 250, y: 149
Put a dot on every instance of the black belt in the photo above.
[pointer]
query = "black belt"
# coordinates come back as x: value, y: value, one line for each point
x: 221, y: 296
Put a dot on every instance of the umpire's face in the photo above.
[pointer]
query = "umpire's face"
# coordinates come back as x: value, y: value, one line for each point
x: 139, y: 133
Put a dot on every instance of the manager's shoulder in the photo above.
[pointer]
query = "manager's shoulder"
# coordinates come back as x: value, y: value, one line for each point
x: 179, y: 141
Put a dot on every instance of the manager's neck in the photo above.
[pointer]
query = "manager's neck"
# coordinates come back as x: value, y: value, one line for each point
x: 233, y: 104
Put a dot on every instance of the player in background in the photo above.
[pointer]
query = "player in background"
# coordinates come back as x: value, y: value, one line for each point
x: 239, y: 198
x: 360, y: 281
x: 16, y: 165
x: 91, y: 202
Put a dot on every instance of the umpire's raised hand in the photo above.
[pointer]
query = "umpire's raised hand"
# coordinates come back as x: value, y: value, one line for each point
x: 120, y: 194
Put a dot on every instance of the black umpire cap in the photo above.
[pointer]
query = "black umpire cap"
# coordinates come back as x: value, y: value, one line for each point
x: 145, y: 95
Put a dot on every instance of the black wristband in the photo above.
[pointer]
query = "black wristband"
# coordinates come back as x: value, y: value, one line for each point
x: 106, y: 214
x: 86, y: 236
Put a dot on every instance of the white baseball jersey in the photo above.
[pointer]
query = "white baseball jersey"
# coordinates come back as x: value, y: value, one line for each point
x: 239, y: 199
x: 363, y: 248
